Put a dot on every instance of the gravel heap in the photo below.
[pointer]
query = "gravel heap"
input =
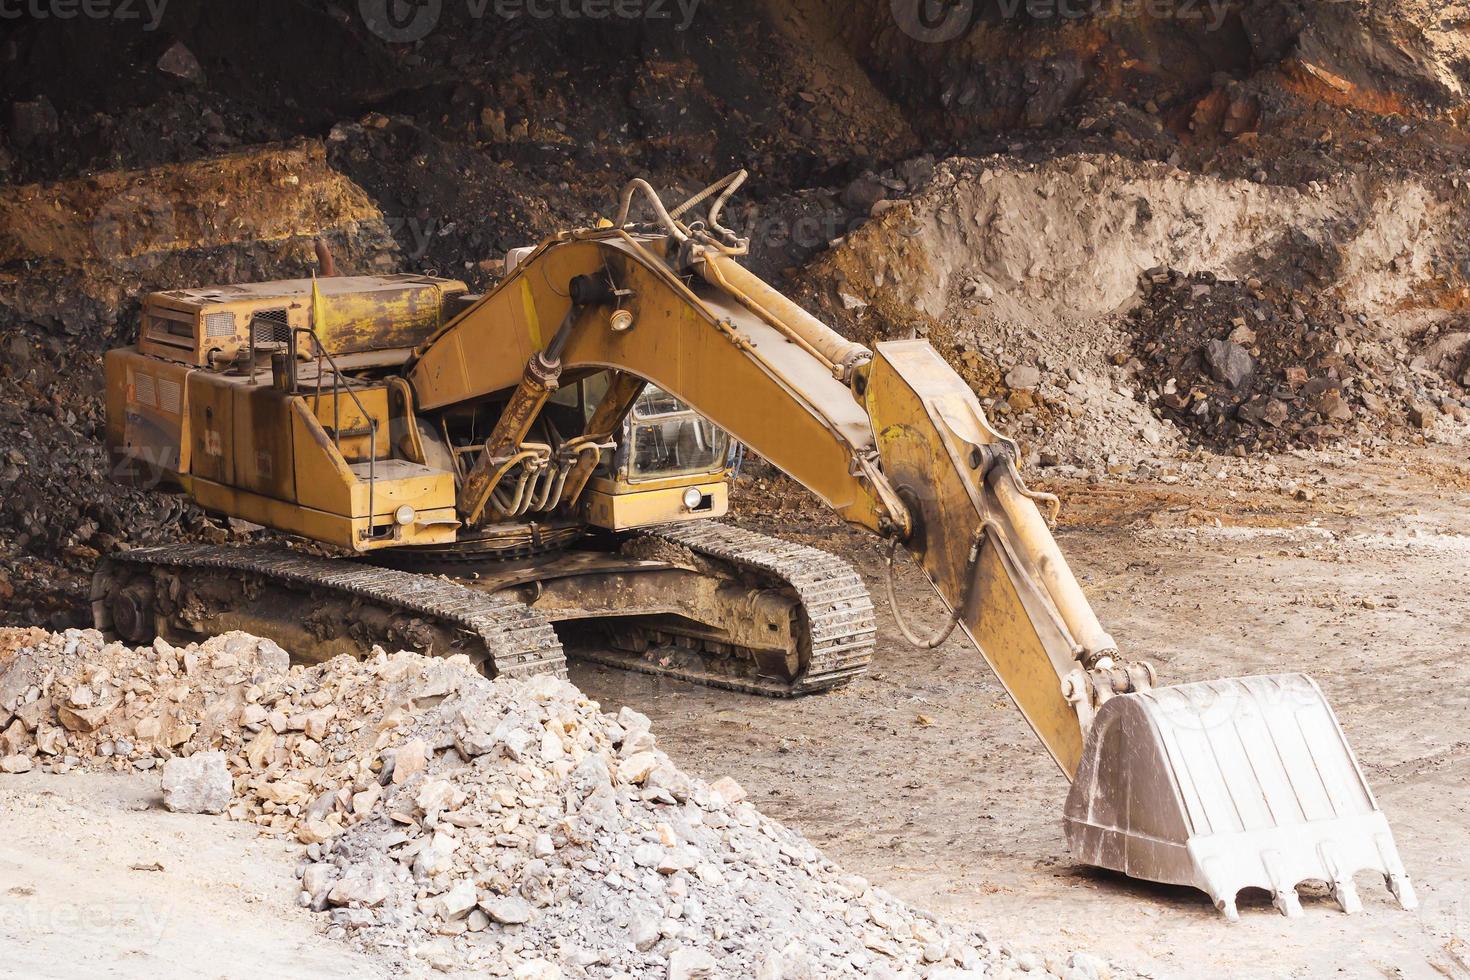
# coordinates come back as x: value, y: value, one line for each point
x: 457, y: 823
x: 1245, y: 365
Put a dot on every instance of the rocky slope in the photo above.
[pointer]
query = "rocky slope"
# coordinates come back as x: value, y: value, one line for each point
x: 1081, y: 298
x: 502, y: 828
x: 1315, y: 147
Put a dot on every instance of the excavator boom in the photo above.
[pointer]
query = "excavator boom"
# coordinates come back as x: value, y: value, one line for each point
x: 891, y: 439
x: 895, y: 441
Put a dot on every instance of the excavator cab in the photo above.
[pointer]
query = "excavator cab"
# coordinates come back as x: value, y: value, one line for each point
x: 661, y: 439
x: 666, y: 439
x: 667, y: 463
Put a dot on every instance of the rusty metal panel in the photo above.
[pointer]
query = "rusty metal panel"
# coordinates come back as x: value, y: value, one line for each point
x: 351, y: 425
x: 264, y: 461
x: 435, y: 526
x: 211, y: 427
x: 356, y: 314
x: 380, y: 314
x: 146, y: 431
x: 323, y: 480
x: 327, y: 482
x: 171, y: 333
x: 649, y: 508
x: 401, y: 483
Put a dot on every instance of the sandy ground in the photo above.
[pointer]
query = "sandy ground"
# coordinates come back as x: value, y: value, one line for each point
x: 98, y: 880
x: 1365, y: 587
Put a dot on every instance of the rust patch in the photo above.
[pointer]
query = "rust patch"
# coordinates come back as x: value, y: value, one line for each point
x: 1316, y: 84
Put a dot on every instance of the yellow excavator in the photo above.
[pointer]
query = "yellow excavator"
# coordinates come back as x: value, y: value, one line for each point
x: 538, y: 470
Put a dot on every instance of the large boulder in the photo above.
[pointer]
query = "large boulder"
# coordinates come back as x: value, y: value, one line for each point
x: 1229, y: 363
x: 197, y: 784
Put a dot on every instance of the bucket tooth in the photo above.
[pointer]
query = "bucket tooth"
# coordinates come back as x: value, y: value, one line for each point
x: 1346, y: 894
x: 1283, y: 886
x: 1340, y: 881
x: 1394, y: 874
x: 1403, y: 890
x: 1287, y: 902
x: 1226, y: 785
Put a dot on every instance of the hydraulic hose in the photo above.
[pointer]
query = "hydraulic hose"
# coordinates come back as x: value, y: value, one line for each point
x: 678, y: 231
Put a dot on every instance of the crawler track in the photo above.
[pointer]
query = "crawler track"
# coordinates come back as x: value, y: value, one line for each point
x: 512, y: 636
x: 835, y: 613
x: 836, y: 607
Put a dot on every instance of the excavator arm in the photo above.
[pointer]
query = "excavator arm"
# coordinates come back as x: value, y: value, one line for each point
x: 893, y: 439
x: 1218, y: 785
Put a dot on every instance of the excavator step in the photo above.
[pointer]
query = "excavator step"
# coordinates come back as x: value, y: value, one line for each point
x: 496, y: 630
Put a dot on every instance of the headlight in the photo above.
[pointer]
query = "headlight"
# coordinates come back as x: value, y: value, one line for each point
x: 693, y: 498
x: 404, y: 515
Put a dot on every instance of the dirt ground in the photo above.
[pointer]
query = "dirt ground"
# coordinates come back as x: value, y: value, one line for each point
x: 1363, y: 587
x: 97, y: 881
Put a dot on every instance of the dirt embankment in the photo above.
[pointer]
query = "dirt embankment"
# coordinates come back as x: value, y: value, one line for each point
x: 1275, y: 92
x: 78, y: 254
x: 1315, y: 148
x: 1050, y: 287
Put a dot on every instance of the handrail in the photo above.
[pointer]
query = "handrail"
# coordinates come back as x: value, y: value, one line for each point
x: 337, y: 387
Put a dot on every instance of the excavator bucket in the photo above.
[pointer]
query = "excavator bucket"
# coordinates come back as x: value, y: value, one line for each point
x: 1230, y: 784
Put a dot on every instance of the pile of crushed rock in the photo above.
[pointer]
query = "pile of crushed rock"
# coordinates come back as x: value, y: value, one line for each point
x: 504, y: 827
x: 1244, y: 365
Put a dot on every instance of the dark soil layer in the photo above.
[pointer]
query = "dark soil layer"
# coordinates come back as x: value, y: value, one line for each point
x: 483, y: 133
x: 1247, y: 366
